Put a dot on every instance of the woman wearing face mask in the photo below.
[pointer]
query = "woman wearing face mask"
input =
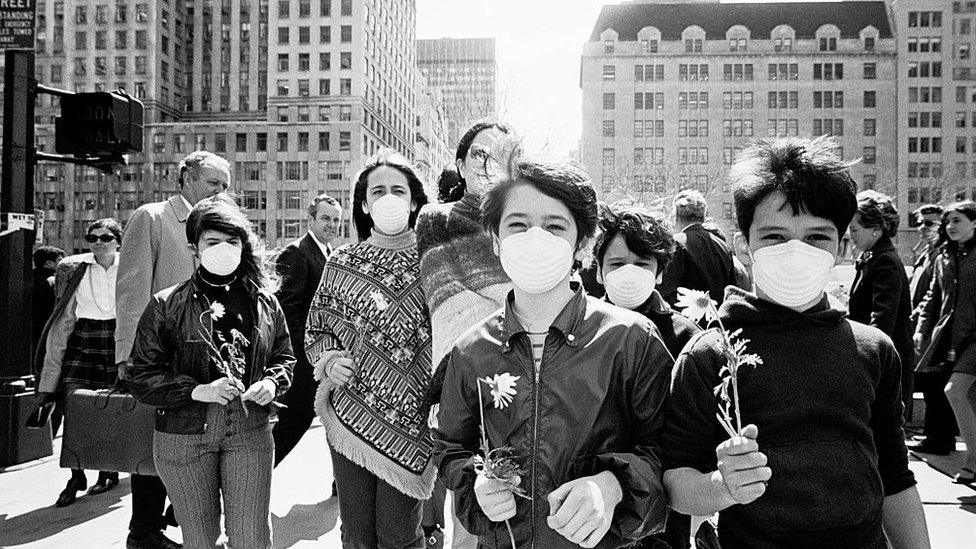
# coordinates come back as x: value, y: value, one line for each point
x: 213, y: 446
x: 879, y: 294
x: 583, y: 415
x: 369, y: 338
x: 79, y: 341
x: 947, y: 324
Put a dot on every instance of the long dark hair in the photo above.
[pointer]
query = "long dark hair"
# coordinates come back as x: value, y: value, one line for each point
x: 464, y: 145
x: 966, y: 208
x: 393, y: 159
x: 220, y: 213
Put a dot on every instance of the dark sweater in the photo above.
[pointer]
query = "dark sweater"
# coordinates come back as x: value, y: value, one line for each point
x: 826, y: 401
x: 238, y: 314
x: 674, y: 328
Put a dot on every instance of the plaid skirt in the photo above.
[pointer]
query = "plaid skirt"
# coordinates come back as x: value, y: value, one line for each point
x: 89, y: 361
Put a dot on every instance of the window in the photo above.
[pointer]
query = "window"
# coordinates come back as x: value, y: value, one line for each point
x: 829, y: 71
x: 325, y: 87
x: 345, y: 60
x: 81, y: 41
x: 693, y: 45
x: 828, y: 44
x: 870, y: 99
x: 344, y: 141
x: 608, y: 128
x: 608, y: 46
x: 282, y: 114
x: 345, y: 33
x: 345, y: 7
x: 870, y: 127
x: 303, y: 87
x: 781, y: 45
x: 783, y: 71
x: 738, y: 44
x: 120, y: 65
x: 283, y: 87
x: 283, y: 35
x: 304, y: 35
x: 325, y: 61
x: 609, y: 72
x: 303, y: 140
x: 925, y: 19
x: 325, y: 34
x: 323, y: 141
x: 345, y: 113
x: 868, y: 43
x: 608, y: 156
x: 737, y: 71
x: 283, y: 62
x: 121, y: 39
x: 609, y: 101
x: 345, y: 86
x: 283, y: 141
x: 303, y: 62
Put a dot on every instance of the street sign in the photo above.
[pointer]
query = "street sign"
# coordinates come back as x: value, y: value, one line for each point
x: 17, y: 23
x: 99, y: 124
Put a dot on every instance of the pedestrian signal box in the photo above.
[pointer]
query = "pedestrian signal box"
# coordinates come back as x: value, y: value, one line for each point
x: 99, y: 124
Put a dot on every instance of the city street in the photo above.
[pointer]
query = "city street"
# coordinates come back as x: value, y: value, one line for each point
x: 304, y: 516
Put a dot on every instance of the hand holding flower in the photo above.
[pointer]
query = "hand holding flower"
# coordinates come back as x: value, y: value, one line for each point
x: 582, y: 510
x: 742, y: 467
x: 220, y: 391
x: 495, y: 498
x: 262, y: 392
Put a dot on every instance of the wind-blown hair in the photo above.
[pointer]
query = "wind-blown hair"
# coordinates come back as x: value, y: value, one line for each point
x: 966, y: 208
x: 395, y: 160
x: 690, y: 206
x: 560, y: 179
x: 644, y: 233
x: 814, y: 178
x: 877, y: 211
x: 508, y: 155
x: 220, y: 213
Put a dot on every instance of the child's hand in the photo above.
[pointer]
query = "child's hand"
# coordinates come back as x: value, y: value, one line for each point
x: 220, y: 391
x: 582, y: 510
x: 495, y: 499
x: 742, y: 467
x: 337, y: 366
x: 261, y: 392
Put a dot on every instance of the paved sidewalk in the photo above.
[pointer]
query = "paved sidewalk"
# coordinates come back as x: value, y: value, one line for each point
x: 304, y: 516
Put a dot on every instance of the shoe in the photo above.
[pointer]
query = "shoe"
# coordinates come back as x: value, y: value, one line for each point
x: 169, y: 517
x: 106, y: 481
x: 70, y: 492
x: 929, y: 446
x: 154, y: 540
x: 966, y: 477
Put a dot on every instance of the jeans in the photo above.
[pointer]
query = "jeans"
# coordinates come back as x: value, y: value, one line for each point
x: 227, y: 460
x: 374, y: 514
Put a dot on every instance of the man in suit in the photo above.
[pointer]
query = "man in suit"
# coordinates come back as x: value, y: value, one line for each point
x: 300, y: 266
x: 155, y: 256
x: 703, y: 261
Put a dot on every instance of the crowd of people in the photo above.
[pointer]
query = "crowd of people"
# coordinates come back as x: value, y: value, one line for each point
x: 517, y: 344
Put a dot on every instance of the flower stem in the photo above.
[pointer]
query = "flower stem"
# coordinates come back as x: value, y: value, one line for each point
x: 735, y: 396
x: 733, y: 366
x: 481, y: 426
x: 511, y: 536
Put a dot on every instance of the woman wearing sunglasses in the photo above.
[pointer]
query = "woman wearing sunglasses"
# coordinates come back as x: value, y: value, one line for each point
x: 79, y: 338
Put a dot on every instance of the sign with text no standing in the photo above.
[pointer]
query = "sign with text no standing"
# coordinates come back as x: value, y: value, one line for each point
x: 17, y: 23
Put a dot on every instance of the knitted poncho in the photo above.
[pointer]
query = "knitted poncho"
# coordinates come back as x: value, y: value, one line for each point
x: 461, y: 275
x: 370, y: 303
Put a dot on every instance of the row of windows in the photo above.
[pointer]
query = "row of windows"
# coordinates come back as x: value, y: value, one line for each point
x: 305, y: 35
x: 304, y: 87
x: 121, y: 13
x: 741, y: 45
x: 180, y: 142
x: 699, y: 155
x: 743, y: 72
x: 741, y: 100
x: 305, y: 8
x: 304, y: 61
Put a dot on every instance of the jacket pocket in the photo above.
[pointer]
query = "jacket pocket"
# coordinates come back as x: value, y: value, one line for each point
x: 816, y: 485
x: 188, y: 420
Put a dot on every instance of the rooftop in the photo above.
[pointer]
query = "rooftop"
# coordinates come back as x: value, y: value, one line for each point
x: 805, y: 18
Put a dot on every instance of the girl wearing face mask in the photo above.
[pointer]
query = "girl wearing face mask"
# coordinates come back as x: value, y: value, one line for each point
x: 946, y: 334
x: 213, y: 447
x: 368, y: 337
x: 879, y: 294
x: 587, y: 384
x: 79, y: 340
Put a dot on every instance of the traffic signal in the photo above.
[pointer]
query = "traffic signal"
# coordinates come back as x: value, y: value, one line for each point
x: 99, y: 124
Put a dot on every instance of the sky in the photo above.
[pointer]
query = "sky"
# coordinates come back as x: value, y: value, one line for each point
x: 538, y: 48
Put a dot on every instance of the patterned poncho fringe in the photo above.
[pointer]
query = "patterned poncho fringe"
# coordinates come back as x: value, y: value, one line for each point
x: 370, y: 303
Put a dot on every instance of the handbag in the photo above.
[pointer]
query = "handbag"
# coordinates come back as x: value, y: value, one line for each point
x: 105, y: 430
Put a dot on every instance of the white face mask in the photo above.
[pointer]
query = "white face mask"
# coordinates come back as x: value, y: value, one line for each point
x: 792, y: 274
x: 221, y: 259
x: 629, y: 286
x: 536, y: 260
x: 390, y: 214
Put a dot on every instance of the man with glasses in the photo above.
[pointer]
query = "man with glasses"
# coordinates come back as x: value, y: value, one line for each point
x: 154, y: 257
x: 939, y: 427
x: 300, y: 267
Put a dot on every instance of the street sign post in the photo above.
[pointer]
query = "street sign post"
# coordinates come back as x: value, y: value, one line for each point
x: 17, y: 24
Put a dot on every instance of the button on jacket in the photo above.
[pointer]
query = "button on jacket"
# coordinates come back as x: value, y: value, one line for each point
x: 596, y: 405
x: 170, y: 358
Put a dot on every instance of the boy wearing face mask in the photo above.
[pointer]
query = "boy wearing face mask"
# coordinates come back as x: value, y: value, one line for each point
x: 821, y: 461
x: 585, y: 411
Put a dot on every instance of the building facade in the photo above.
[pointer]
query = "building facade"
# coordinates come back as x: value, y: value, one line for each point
x: 672, y: 92
x: 463, y: 72
x: 296, y: 94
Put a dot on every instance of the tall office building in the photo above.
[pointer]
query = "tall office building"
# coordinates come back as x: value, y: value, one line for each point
x: 296, y: 94
x: 463, y: 71
x: 937, y: 107
x: 673, y: 91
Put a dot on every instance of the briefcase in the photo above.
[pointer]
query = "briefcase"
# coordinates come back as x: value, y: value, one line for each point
x: 105, y: 430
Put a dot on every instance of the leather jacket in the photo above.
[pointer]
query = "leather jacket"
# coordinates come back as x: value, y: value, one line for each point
x: 169, y: 358
x: 596, y: 404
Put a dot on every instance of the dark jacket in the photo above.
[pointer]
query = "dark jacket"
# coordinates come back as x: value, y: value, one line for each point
x: 674, y: 328
x: 170, y: 357
x: 827, y: 404
x: 43, y: 301
x: 300, y: 266
x: 922, y: 278
x: 880, y: 298
x: 702, y: 261
x: 597, y: 406
x: 60, y: 324
x: 940, y: 305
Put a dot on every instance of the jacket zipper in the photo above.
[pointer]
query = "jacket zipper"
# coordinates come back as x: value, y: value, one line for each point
x: 537, y: 374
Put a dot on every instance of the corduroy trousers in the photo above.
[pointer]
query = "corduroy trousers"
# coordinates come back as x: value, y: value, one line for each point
x: 227, y: 459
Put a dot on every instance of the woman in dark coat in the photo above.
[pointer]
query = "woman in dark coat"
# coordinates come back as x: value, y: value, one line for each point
x: 947, y: 324
x: 879, y: 295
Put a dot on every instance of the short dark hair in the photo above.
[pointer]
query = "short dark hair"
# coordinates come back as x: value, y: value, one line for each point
x: 395, y: 160
x: 109, y: 223
x: 449, y: 186
x: 644, y: 233
x: 964, y: 207
x: 811, y: 174
x: 690, y: 205
x: 43, y: 254
x: 877, y: 211
x: 313, y: 206
x: 563, y: 180
x: 464, y: 145
x: 926, y: 209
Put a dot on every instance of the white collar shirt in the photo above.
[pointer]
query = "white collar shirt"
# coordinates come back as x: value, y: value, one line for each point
x: 324, y: 247
x: 95, y: 295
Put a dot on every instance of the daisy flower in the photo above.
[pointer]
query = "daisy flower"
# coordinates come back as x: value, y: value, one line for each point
x: 695, y: 304
x: 502, y: 388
